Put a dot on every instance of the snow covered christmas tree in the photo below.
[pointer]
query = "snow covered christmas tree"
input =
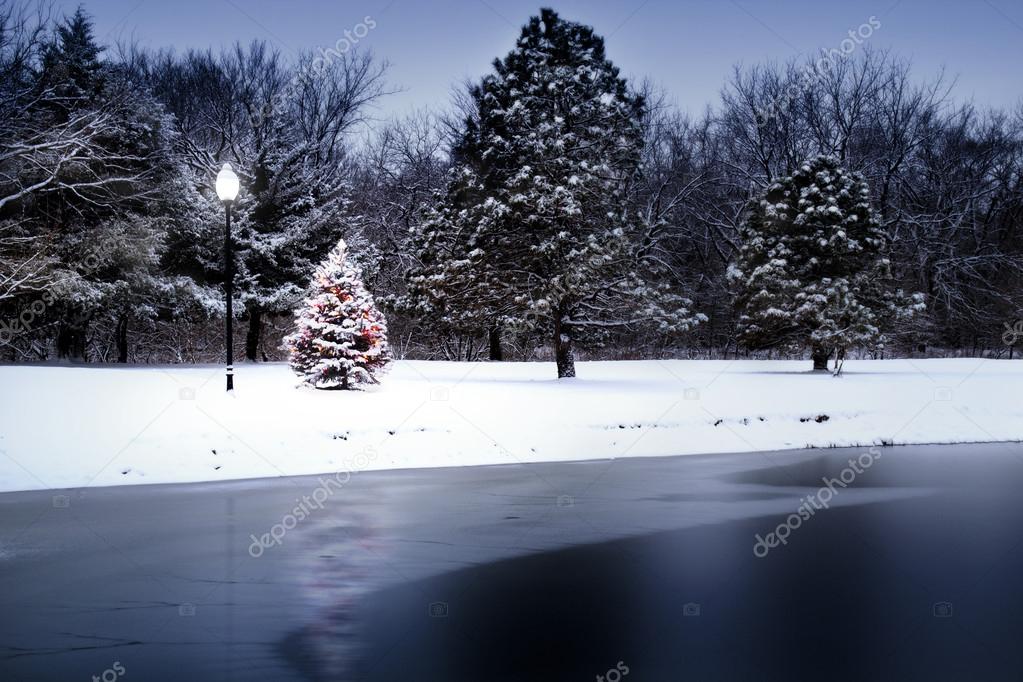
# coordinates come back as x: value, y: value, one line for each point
x: 535, y: 231
x: 341, y: 336
x: 813, y: 269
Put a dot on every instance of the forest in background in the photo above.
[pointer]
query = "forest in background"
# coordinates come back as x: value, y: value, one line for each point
x: 111, y: 232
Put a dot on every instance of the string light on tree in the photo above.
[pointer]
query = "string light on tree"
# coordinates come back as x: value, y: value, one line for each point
x: 340, y: 340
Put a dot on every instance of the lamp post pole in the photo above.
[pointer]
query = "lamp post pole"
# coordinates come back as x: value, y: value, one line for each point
x: 229, y: 292
x: 227, y: 190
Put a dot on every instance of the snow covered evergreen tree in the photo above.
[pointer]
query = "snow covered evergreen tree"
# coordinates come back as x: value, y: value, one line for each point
x: 341, y: 337
x: 813, y: 269
x: 455, y: 285
x: 86, y: 164
x: 536, y: 232
x: 285, y: 129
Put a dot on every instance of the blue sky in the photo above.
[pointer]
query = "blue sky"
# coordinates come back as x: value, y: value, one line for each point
x: 687, y: 46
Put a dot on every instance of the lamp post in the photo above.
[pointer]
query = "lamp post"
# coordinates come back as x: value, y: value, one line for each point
x: 227, y: 190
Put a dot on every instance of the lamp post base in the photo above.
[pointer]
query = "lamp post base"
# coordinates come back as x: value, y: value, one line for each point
x: 230, y: 378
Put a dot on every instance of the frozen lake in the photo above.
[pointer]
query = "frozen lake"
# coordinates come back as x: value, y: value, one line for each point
x: 908, y: 568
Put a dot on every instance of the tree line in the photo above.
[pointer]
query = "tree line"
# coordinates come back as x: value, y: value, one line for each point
x: 553, y: 208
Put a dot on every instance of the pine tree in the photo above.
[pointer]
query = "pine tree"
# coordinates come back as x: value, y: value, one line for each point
x: 535, y: 232
x: 286, y: 223
x: 90, y: 178
x: 341, y: 337
x: 71, y: 65
x: 286, y: 130
x: 813, y: 269
x: 459, y: 295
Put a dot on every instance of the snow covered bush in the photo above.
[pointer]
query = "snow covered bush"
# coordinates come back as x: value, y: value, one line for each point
x: 813, y: 269
x: 341, y: 337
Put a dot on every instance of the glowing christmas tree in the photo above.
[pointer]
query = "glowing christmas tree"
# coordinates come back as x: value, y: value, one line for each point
x: 340, y: 341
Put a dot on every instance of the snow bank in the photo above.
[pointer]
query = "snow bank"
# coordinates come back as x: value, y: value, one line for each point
x: 70, y: 427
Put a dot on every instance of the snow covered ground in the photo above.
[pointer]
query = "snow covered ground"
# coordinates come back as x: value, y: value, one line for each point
x: 70, y: 427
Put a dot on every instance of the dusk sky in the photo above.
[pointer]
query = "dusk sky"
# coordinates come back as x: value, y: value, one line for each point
x: 686, y: 46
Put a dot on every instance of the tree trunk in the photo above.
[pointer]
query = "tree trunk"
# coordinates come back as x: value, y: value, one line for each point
x: 71, y: 340
x: 839, y: 361
x: 820, y: 357
x: 122, y: 339
x: 253, y: 336
x: 496, y: 352
x: 563, y: 345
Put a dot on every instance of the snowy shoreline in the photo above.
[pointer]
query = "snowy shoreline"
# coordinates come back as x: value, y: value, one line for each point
x: 72, y: 427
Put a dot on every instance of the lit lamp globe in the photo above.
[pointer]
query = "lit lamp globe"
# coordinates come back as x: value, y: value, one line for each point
x: 227, y: 183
